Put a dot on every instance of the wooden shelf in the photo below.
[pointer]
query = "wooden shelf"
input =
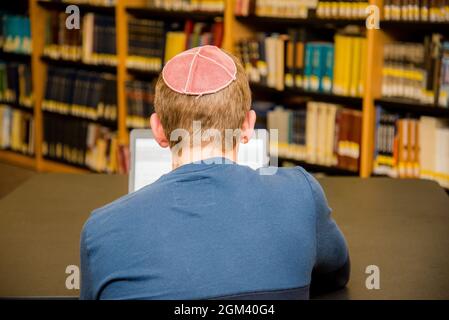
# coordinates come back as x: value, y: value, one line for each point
x: 106, y: 123
x: 18, y: 106
x: 404, y: 106
x: 17, y: 6
x: 14, y: 56
x: 161, y: 14
x: 317, y: 168
x: 264, y: 91
x: 84, y: 7
x: 16, y: 158
x: 143, y: 74
x: 79, y: 65
x: 425, y: 26
x: 306, y: 22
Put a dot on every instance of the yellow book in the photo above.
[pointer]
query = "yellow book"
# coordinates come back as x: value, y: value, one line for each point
x: 355, y: 66
x: 362, y: 74
x: 337, y: 83
x: 88, y: 27
x: 175, y: 43
x: 348, y: 44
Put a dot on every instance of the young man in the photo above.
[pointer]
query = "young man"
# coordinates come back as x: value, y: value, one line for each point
x: 211, y: 228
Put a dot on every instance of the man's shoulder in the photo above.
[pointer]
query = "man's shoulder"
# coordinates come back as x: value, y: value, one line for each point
x: 121, y: 209
x: 295, y: 174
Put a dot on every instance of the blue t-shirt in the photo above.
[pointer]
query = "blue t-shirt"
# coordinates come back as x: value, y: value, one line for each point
x: 208, y: 231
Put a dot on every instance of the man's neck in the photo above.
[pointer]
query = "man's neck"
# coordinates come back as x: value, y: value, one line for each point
x: 199, y: 154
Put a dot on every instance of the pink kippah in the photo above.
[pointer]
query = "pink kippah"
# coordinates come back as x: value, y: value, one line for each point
x: 199, y: 71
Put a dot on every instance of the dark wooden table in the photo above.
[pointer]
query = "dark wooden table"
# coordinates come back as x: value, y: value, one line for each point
x: 401, y: 226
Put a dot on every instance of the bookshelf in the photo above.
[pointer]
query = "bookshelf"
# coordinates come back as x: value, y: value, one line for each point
x: 413, y: 107
x: 78, y: 65
x: 313, y: 22
x: 235, y: 29
x: 84, y: 7
x: 151, y: 13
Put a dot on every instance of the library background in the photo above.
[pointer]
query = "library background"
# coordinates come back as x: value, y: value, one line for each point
x: 347, y: 100
x: 365, y: 109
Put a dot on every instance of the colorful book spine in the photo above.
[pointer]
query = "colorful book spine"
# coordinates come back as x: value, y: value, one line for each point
x: 82, y: 143
x: 187, y: 5
x: 417, y: 71
x: 15, y: 84
x: 416, y: 10
x: 341, y: 9
x: 298, y: 60
x: 318, y: 133
x: 407, y: 147
x: 80, y: 93
x: 16, y: 130
x: 15, y: 33
x: 140, y: 103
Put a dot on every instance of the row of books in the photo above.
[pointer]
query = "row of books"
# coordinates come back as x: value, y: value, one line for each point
x: 146, y: 42
x: 296, y: 60
x: 335, y: 9
x: 61, y: 42
x: 15, y: 35
x: 416, y: 10
x: 93, y: 43
x: 342, y: 9
x: 417, y: 71
x: 15, y: 83
x: 193, y: 34
x: 91, y: 2
x: 271, y: 8
x: 187, y: 5
x: 81, y: 93
x: 16, y: 130
x: 412, y: 147
x: 83, y: 143
x: 139, y: 102
x: 322, y: 133
x: 150, y: 44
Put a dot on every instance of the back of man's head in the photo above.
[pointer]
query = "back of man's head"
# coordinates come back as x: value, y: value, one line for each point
x: 204, y: 84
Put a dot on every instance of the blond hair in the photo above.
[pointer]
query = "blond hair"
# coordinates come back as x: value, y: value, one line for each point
x: 224, y: 109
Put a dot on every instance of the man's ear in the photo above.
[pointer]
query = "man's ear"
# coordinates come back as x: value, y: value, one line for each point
x: 248, y: 126
x: 158, y: 131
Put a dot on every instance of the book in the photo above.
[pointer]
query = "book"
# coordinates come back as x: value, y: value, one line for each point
x: 61, y: 42
x: 318, y: 133
x: 15, y: 35
x: 81, y: 93
x: 341, y: 9
x: 16, y: 130
x: 417, y: 71
x: 105, y: 3
x: 15, y: 84
x: 83, y: 143
x: 278, y: 8
x: 187, y: 5
x: 93, y: 43
x: 409, y: 147
x: 140, y: 103
x: 99, y: 40
x: 151, y: 43
x: 415, y: 10
x: 146, y: 42
x: 298, y: 59
x: 193, y: 34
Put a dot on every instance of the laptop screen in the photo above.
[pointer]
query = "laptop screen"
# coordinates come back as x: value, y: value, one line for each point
x: 149, y: 161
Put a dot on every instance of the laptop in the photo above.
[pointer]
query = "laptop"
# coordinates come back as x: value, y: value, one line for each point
x: 149, y: 161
